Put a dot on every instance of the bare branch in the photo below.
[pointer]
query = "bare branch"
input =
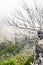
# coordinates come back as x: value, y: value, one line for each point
x: 33, y: 18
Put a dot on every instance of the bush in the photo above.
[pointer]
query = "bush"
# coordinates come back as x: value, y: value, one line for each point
x: 10, y: 61
x: 17, y: 60
x: 31, y: 58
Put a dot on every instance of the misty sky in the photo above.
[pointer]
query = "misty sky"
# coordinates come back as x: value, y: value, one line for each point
x: 6, y: 6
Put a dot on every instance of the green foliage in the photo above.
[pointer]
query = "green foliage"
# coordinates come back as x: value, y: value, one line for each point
x: 17, y: 60
x: 30, y: 59
x: 9, y: 48
x: 21, y: 57
x: 8, y: 62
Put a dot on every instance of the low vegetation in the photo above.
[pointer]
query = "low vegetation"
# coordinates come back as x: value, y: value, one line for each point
x: 17, y: 60
x: 15, y: 54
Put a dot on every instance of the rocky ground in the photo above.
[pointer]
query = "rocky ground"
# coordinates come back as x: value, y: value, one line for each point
x: 39, y: 53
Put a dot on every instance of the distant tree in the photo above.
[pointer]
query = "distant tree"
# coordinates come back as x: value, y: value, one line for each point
x: 33, y: 17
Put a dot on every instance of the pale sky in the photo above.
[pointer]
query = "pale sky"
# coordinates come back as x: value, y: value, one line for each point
x: 6, y: 6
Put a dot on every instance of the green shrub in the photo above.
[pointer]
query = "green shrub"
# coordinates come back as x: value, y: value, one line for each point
x: 31, y: 58
x: 9, y: 62
x: 17, y: 60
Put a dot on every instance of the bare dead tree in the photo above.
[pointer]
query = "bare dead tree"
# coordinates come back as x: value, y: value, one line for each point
x: 33, y: 21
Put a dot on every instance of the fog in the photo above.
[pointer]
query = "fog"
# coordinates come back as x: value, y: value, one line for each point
x: 6, y: 6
